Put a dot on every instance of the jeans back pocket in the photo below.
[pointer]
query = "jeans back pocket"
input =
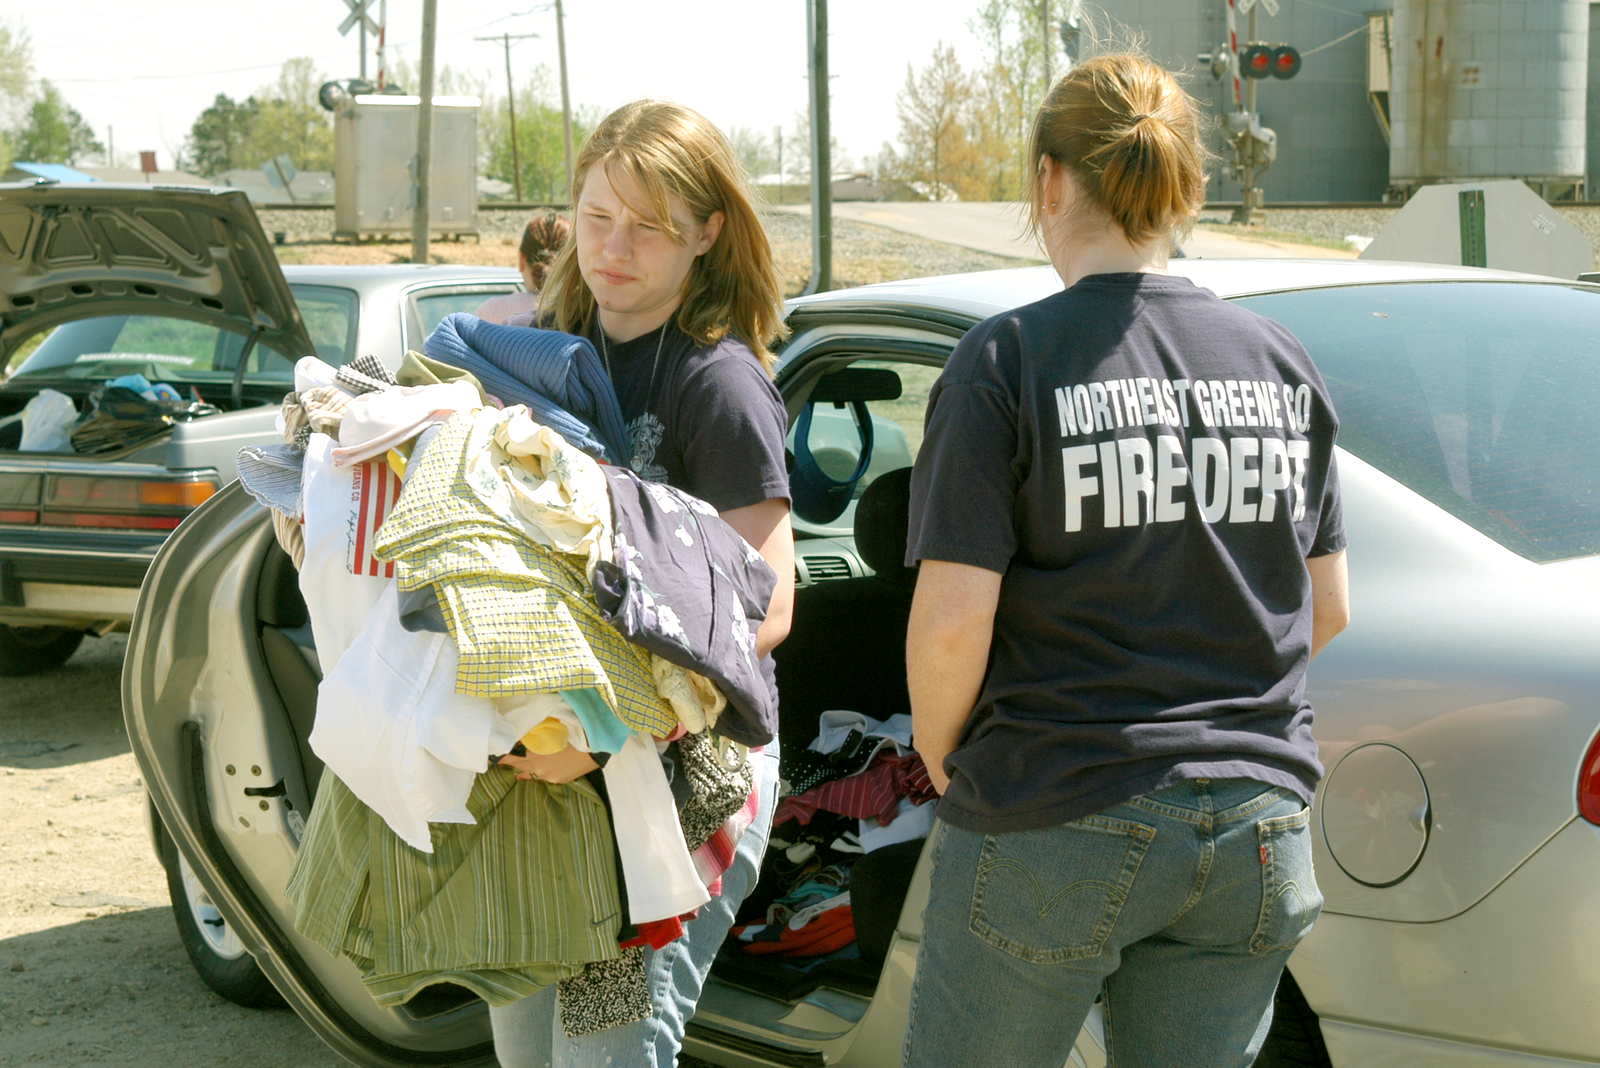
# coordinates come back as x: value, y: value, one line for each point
x: 1290, y: 899
x: 1054, y: 895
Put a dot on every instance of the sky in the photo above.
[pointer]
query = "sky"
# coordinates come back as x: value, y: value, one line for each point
x: 146, y: 70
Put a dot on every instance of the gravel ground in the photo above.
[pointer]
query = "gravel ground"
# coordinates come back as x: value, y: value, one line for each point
x: 862, y: 254
x: 91, y: 969
x: 1335, y: 224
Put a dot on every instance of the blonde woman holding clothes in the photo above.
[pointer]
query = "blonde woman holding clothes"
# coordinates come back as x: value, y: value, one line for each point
x: 1107, y: 666
x: 671, y: 276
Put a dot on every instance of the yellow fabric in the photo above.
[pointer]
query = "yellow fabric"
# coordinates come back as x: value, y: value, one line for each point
x: 529, y: 476
x: 548, y: 737
x: 522, y: 615
x: 695, y: 698
x: 397, y: 461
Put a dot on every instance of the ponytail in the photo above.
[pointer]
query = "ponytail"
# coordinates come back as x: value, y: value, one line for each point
x: 1131, y: 137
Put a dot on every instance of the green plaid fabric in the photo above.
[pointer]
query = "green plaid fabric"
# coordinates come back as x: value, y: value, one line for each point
x: 522, y: 615
x: 525, y: 897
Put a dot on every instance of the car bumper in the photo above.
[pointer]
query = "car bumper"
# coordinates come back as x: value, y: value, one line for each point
x: 73, y: 578
x: 1513, y: 980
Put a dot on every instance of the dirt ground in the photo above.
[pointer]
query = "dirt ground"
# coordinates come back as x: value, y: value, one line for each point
x: 91, y: 969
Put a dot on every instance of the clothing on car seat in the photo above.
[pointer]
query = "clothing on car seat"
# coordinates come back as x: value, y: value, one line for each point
x: 871, y: 796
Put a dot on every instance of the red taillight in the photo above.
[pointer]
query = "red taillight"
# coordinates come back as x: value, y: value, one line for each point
x: 16, y: 516
x: 116, y: 502
x: 1589, y: 783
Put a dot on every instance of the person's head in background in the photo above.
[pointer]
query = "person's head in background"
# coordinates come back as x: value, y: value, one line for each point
x: 542, y: 240
x: 1121, y: 166
x: 665, y: 228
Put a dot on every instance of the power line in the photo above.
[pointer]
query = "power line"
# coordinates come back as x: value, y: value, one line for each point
x: 274, y: 66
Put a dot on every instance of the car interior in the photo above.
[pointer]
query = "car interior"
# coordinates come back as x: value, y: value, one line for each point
x: 846, y: 651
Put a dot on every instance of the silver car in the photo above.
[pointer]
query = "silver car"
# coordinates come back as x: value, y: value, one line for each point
x: 180, y: 286
x: 1459, y: 851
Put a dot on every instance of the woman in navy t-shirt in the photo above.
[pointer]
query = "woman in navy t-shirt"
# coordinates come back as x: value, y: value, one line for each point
x: 1127, y: 517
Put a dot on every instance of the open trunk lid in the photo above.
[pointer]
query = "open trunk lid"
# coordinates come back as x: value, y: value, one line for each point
x: 81, y: 250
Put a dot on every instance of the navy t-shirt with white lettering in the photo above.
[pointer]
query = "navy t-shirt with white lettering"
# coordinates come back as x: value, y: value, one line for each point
x: 1148, y: 467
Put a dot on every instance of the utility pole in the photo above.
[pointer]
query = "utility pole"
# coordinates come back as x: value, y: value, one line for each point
x: 778, y: 132
x: 1044, y: 19
x: 421, y: 210
x: 821, y: 164
x: 566, y: 101
x: 511, y: 105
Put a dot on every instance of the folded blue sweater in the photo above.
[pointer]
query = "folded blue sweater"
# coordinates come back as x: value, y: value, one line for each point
x: 558, y: 376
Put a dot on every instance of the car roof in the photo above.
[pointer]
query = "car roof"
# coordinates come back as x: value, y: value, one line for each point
x: 371, y: 276
x: 986, y: 293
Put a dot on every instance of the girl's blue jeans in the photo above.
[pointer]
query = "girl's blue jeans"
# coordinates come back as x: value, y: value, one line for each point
x: 1179, y: 908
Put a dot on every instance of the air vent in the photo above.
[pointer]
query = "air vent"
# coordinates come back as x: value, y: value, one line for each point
x: 827, y: 568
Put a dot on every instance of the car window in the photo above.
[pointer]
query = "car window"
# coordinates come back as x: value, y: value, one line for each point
x: 1482, y: 397
x: 163, y: 348
x: 835, y: 440
x: 432, y: 307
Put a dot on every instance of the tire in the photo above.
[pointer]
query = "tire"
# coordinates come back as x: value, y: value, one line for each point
x: 215, y: 951
x: 30, y: 650
x: 1295, y: 1040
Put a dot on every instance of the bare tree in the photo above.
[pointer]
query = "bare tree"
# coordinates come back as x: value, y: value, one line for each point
x: 933, y: 107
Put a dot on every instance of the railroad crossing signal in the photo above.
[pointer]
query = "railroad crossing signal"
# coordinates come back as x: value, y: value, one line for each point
x: 1262, y: 60
x: 358, y: 13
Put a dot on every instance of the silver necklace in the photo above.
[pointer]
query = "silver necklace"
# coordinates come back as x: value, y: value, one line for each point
x: 605, y: 354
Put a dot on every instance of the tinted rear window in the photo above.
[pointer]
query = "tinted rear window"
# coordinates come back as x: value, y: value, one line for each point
x: 1483, y: 397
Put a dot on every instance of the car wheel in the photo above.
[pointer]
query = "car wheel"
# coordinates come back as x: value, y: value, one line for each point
x: 214, y: 949
x: 30, y: 650
x: 1295, y: 1040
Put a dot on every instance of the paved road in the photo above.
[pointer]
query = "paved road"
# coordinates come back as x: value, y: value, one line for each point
x: 999, y: 229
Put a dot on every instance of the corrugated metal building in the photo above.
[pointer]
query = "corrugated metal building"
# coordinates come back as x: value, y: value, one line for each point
x: 1330, y: 143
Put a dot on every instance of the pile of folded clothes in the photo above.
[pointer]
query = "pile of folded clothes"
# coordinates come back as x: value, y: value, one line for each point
x: 480, y: 583
x: 858, y: 788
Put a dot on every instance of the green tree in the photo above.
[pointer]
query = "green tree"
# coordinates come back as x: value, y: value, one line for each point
x: 54, y: 132
x: 541, y: 144
x: 16, y: 76
x: 282, y: 116
x: 289, y: 119
x: 219, y: 138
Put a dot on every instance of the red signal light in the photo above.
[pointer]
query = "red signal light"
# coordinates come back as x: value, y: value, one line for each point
x: 1256, y: 61
x: 1285, y: 62
x: 1589, y: 783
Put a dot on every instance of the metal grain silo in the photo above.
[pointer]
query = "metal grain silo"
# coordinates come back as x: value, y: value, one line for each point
x: 1489, y: 89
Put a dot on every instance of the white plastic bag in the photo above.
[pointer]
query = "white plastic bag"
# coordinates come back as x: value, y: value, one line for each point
x: 47, y: 423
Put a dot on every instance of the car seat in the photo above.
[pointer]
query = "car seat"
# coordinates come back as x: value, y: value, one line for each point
x: 847, y: 648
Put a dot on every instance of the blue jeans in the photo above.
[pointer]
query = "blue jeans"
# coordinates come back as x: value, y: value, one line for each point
x: 527, y: 1033
x: 1179, y: 907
